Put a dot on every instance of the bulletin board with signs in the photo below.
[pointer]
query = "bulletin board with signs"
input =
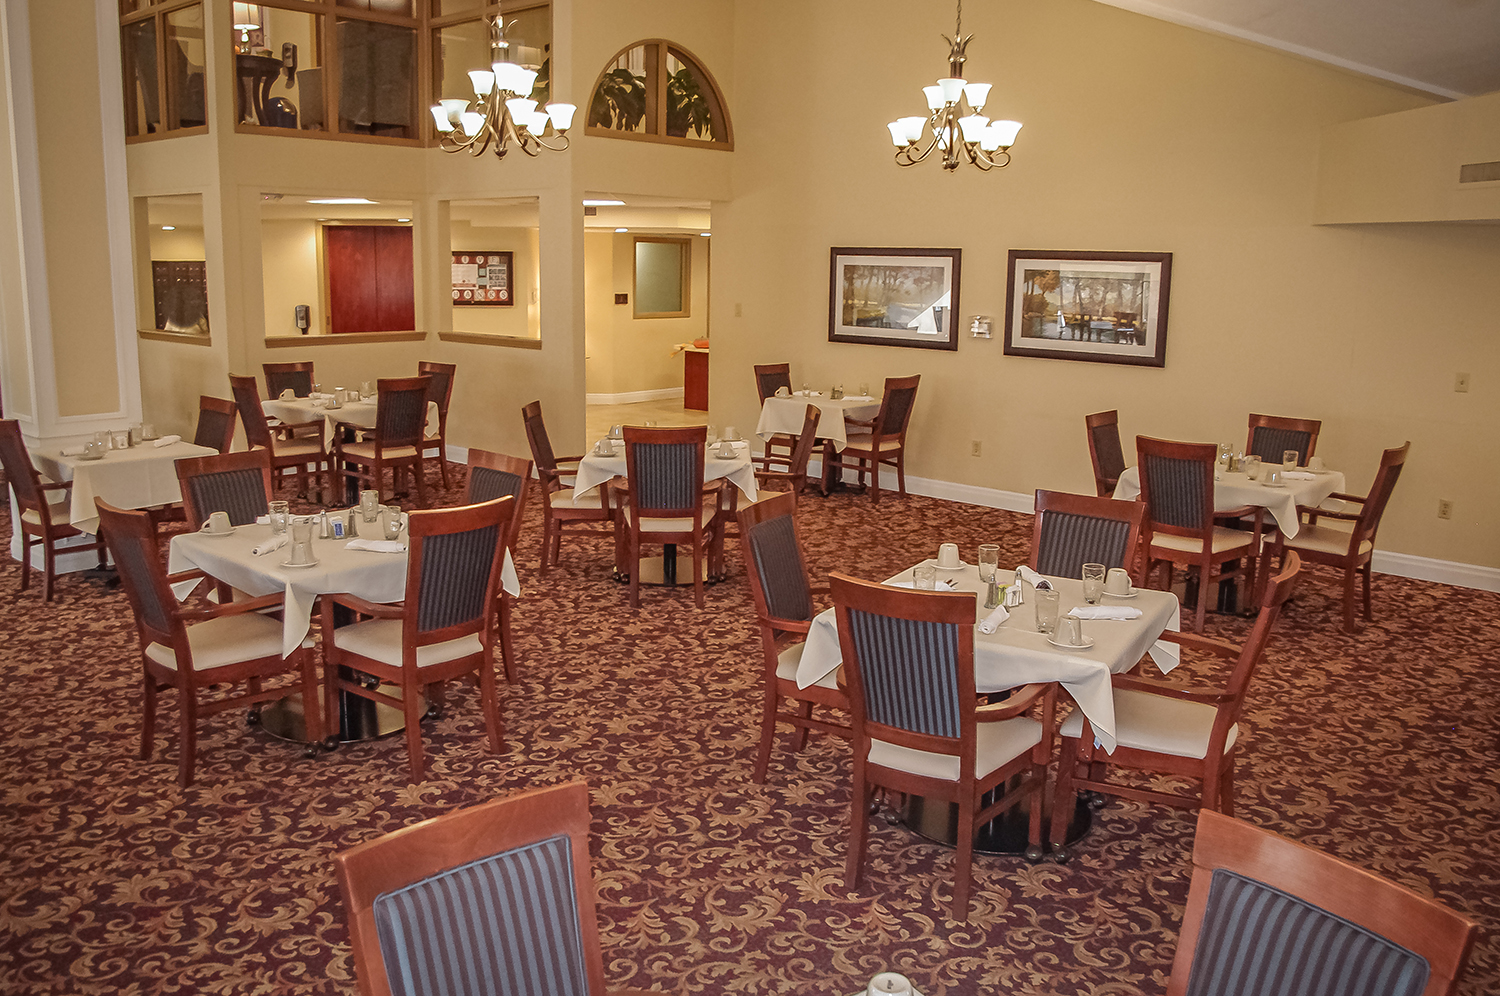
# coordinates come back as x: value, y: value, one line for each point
x: 483, y: 279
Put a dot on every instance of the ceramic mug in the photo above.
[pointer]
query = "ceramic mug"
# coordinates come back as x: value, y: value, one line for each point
x: 948, y: 556
x: 1117, y: 582
x: 218, y: 522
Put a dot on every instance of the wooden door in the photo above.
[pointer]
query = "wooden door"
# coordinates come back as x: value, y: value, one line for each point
x: 370, y: 283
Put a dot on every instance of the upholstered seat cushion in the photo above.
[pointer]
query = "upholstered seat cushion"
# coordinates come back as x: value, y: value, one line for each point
x: 380, y: 640
x: 564, y: 499
x: 299, y: 446
x: 995, y: 744
x: 862, y: 443
x: 1328, y: 539
x: 1224, y: 539
x: 788, y: 660
x: 59, y: 512
x: 226, y: 640
x: 1159, y: 724
x: 366, y: 451
x: 650, y: 524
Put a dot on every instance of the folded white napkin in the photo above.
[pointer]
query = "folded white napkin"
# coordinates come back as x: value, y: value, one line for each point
x: 1106, y: 612
x: 809, y: 394
x: 376, y: 546
x: 73, y: 450
x: 858, y: 397
x: 943, y: 584
x: 167, y: 440
x: 1298, y: 475
x: 270, y: 545
x: 1031, y: 577
x: 992, y: 622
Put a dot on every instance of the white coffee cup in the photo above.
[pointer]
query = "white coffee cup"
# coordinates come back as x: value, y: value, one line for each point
x: 1117, y: 581
x: 731, y: 433
x: 218, y: 522
x: 783, y: 392
x: 889, y: 984
x: 948, y: 555
x: 725, y: 449
x: 1315, y: 463
x: 287, y: 395
x: 1072, y: 628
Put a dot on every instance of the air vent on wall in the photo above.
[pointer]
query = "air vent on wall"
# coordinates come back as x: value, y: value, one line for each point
x: 589, y: 211
x: 1478, y: 172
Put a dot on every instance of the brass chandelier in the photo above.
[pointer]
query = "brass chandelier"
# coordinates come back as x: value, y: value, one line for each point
x: 504, y: 114
x: 959, y: 131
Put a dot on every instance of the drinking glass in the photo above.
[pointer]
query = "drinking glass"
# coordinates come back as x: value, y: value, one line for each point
x: 924, y: 577
x: 1289, y: 459
x: 369, y: 505
x: 366, y: 390
x: 136, y: 437
x: 301, y: 542
x: 392, y: 522
x: 279, y: 513
x: 148, y: 431
x: 120, y: 439
x: 1252, y: 467
x: 989, y: 560
x: 102, y: 436
x: 864, y: 390
x: 1046, y: 609
x: 1093, y: 582
x: 317, y: 388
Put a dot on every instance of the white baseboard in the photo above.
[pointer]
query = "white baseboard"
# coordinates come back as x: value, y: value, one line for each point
x: 633, y: 397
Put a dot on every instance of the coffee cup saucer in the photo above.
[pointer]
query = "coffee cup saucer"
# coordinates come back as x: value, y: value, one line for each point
x: 956, y: 567
x: 1133, y: 592
x: 217, y: 532
x: 1087, y: 643
x: 310, y: 563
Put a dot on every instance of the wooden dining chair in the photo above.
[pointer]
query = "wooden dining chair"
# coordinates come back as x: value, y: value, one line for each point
x: 770, y: 378
x: 1104, y: 450
x: 666, y: 502
x: 491, y: 476
x: 1072, y: 530
x: 919, y: 725
x: 1271, y: 436
x: 513, y: 871
x: 194, y: 650
x: 783, y: 600
x: 1269, y: 915
x: 562, y: 510
x: 885, y: 441
x: 395, y: 442
x: 44, y: 521
x: 1168, y: 728
x: 236, y: 483
x: 440, y: 393
x: 1177, y: 485
x: 215, y: 423
x: 1351, y: 549
x: 302, y: 454
x: 280, y: 376
x: 443, y: 629
x: 794, y: 478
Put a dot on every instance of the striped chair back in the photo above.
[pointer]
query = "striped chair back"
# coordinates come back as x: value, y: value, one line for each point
x: 777, y: 561
x: 1104, y: 450
x: 215, y: 424
x: 278, y: 380
x: 664, y: 467
x: 454, y: 577
x: 131, y: 538
x: 239, y: 492
x: 1069, y: 540
x: 1270, y: 444
x: 487, y: 484
x: 401, y: 411
x: 771, y: 377
x: 909, y: 672
x: 895, y: 411
x: 1178, y: 491
x: 508, y: 923
x: 1257, y: 940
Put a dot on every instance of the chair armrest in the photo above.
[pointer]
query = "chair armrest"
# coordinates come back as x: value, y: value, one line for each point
x: 868, y: 423
x: 367, y: 608
x: 1324, y: 513
x: 274, y: 600
x: 1343, y: 497
x: 1207, y: 695
x: 787, y: 625
x: 1220, y: 648
x: 190, y: 575
x: 1012, y: 707
x: 567, y: 459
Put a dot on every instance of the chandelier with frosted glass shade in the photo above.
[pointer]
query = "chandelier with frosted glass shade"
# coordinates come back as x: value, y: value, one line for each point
x: 502, y: 115
x: 955, y: 128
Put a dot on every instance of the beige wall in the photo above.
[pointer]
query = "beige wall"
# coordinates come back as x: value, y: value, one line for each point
x: 629, y: 354
x: 1138, y: 135
x: 291, y: 274
x: 523, y: 317
x: 181, y: 243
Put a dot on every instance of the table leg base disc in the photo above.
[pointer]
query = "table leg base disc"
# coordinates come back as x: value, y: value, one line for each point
x: 1006, y: 834
x: 653, y: 571
x: 360, y: 719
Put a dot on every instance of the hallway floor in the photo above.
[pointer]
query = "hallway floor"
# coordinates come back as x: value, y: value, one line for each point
x: 666, y: 412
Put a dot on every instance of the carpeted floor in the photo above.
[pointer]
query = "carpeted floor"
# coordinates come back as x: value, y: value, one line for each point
x: 1380, y: 747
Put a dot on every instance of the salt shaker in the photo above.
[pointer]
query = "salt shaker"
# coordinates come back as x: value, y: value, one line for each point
x: 325, y: 531
x: 992, y: 600
x: 353, y: 530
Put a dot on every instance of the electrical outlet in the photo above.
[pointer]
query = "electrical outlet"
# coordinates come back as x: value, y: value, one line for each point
x: 1461, y: 383
x: 974, y: 448
x: 1445, y: 509
x: 738, y: 310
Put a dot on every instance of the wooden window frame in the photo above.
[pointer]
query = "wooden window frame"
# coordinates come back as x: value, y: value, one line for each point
x: 435, y: 23
x: 157, y: 13
x: 656, y: 108
x: 687, y: 276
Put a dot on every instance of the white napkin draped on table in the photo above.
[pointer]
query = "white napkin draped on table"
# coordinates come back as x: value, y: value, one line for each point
x: 269, y: 545
x: 1105, y: 612
x: 376, y: 545
x: 992, y: 622
x: 166, y: 441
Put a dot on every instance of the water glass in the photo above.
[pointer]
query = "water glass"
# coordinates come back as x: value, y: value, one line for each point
x: 1093, y: 582
x: 989, y: 560
x: 148, y: 431
x: 102, y: 436
x: 280, y: 514
x: 1047, y: 600
x: 616, y: 432
x: 392, y: 522
x: 365, y: 389
x: 1289, y: 459
x: 120, y: 439
x: 317, y: 388
x: 1224, y: 450
x: 864, y: 390
x: 301, y: 542
x: 369, y: 505
x: 924, y: 577
x: 1252, y: 467
x: 136, y: 436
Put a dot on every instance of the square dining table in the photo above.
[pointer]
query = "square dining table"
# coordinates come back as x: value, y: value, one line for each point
x: 784, y: 415
x: 1233, y: 489
x: 142, y: 476
x: 299, y: 411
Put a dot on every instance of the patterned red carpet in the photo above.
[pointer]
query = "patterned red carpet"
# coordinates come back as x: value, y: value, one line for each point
x: 1379, y: 747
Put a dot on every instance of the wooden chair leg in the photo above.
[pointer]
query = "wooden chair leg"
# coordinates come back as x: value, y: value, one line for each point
x: 410, y: 699
x: 1226, y: 789
x: 1062, y: 797
x: 489, y: 697
x: 769, y: 703
x: 507, y: 649
x: 874, y: 479
x: 442, y: 458
x: 1366, y: 572
x: 633, y: 564
x: 963, y: 859
x: 859, y: 821
x: 25, y: 560
x: 416, y: 470
x: 698, y: 570
x: 901, y: 472
x: 1349, y: 581
x: 1205, y: 575
x: 187, y: 713
x: 49, y: 569
x: 148, y: 718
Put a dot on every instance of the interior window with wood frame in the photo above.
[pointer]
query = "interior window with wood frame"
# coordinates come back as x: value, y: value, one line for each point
x: 163, y: 55
x: 656, y: 91
x: 460, y: 34
x: 663, y: 276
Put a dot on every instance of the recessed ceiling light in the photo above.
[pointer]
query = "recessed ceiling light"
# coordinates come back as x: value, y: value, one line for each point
x: 601, y: 202
x: 169, y: 228
x: 341, y: 200
x: 402, y: 221
x: 705, y: 234
x: 622, y: 229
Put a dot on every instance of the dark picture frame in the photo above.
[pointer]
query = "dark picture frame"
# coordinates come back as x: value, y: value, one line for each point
x: 484, y: 278
x: 1102, y: 307
x: 894, y: 297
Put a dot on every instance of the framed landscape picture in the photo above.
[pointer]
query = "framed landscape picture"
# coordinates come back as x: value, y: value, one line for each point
x: 483, y: 279
x: 894, y: 297
x: 1108, y: 307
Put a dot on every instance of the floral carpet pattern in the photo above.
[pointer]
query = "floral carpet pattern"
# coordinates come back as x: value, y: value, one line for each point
x: 1379, y: 747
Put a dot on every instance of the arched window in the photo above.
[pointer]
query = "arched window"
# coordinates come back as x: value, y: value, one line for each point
x: 657, y: 92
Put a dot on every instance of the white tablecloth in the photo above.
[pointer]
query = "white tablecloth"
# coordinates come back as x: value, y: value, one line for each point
x: 360, y: 413
x: 1235, y: 490
x: 1016, y: 654
x: 785, y: 415
x: 378, y: 577
x: 139, y: 477
x: 594, y: 470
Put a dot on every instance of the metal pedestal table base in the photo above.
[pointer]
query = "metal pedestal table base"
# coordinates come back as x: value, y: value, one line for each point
x: 359, y: 718
x: 1006, y: 834
x: 669, y: 570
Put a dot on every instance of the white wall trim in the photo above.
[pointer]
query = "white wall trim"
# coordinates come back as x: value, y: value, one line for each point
x: 117, y: 209
x: 634, y: 397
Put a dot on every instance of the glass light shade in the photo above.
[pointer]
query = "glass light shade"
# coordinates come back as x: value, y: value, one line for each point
x: 472, y: 122
x: 952, y: 88
x: 562, y: 115
x: 977, y: 94
x: 483, y: 80
x: 898, y: 134
x: 440, y: 115
x: 934, y: 97
x: 525, y: 81
x: 506, y: 75
x: 974, y: 126
x: 520, y: 109
x: 912, y: 127
x: 1005, y: 131
x: 454, y: 108
x: 989, y: 141
x: 538, y: 123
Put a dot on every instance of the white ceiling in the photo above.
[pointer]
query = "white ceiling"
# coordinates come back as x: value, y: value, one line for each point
x: 1450, y: 48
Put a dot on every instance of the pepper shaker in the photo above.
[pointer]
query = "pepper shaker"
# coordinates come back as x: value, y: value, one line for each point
x: 992, y: 600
